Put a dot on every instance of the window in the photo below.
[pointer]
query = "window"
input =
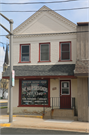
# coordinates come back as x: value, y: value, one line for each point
x: 65, y: 88
x: 24, y: 53
x: 34, y: 93
x: 65, y: 51
x: 44, y: 52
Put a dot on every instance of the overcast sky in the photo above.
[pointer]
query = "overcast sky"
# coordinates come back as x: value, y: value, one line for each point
x: 73, y: 15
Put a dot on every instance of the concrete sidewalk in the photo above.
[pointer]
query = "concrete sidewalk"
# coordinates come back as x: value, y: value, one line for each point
x: 37, y: 123
x: 3, y: 100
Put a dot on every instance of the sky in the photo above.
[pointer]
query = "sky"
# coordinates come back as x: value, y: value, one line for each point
x: 73, y: 15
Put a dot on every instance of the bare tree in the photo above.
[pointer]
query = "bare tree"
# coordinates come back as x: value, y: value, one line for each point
x: 4, y: 86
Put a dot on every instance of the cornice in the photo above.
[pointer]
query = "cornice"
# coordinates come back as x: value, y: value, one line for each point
x: 43, y: 35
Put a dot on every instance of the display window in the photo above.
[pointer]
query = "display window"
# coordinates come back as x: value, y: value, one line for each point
x: 34, y: 92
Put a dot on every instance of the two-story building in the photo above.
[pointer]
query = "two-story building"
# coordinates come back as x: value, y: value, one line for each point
x: 44, y: 58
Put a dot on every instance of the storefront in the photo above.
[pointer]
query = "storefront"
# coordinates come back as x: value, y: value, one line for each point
x: 51, y: 87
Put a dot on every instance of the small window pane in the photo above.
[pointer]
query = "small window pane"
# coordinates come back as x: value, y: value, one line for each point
x: 65, y: 47
x: 45, y: 48
x: 44, y: 56
x: 44, y: 52
x: 65, y: 91
x: 65, y: 84
x: 25, y: 49
x: 65, y: 55
x: 25, y: 57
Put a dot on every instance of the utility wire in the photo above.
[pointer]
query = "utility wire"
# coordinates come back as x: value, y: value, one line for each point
x: 40, y: 2
x: 47, y: 33
x: 49, y: 10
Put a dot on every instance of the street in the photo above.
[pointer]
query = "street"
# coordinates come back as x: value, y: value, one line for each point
x: 35, y: 131
x: 25, y: 125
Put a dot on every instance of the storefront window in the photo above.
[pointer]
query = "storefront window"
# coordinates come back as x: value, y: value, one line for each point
x: 34, y: 92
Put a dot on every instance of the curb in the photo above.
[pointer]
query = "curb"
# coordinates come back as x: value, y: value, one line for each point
x: 51, y: 128
x: 30, y: 116
x: 5, y: 125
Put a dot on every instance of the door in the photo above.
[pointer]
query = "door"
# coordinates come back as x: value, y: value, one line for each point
x: 65, y: 94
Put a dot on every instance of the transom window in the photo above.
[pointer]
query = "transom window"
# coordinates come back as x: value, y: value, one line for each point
x: 24, y: 53
x: 44, y: 52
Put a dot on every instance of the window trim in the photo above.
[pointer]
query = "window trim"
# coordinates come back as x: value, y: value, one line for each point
x: 68, y: 87
x: 60, y: 52
x: 19, y: 103
x: 29, y: 54
x: 40, y: 52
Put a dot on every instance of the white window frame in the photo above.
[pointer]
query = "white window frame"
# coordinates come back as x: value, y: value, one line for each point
x: 68, y: 88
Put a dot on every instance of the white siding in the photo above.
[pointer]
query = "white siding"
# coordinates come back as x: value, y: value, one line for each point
x: 53, y: 93
x: 54, y: 51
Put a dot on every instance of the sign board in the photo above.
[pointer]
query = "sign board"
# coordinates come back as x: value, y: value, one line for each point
x: 13, y: 78
x: 54, y: 88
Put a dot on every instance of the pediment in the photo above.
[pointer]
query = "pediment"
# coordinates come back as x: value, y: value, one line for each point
x: 45, y: 22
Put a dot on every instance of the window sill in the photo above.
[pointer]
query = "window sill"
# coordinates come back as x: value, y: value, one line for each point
x: 33, y: 106
x: 43, y: 61
x: 64, y: 60
x: 25, y: 62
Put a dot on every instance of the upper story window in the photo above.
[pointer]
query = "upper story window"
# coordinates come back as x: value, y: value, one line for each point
x: 44, y: 52
x: 24, y: 53
x: 65, y: 51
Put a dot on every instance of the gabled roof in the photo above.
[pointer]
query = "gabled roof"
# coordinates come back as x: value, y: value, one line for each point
x: 49, y: 11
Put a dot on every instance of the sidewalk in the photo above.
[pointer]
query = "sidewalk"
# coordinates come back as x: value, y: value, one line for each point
x: 37, y: 123
x: 3, y: 100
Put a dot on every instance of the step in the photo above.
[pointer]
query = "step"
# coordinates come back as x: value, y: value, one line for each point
x: 62, y: 114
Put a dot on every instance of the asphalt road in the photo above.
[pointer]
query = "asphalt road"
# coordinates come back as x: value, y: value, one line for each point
x: 35, y: 131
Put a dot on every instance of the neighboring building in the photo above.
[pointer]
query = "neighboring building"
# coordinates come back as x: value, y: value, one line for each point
x: 44, y: 58
x: 82, y: 70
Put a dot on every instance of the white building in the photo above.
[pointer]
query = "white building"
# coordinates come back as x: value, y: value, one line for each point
x: 44, y: 58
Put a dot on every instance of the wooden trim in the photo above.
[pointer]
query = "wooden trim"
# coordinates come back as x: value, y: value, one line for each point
x: 69, y: 96
x: 33, y: 106
x: 64, y: 60
x: 60, y: 52
x: 29, y: 54
x: 44, y: 61
x: 70, y: 86
x: 25, y: 62
x: 20, y: 82
x: 19, y: 92
x: 49, y: 52
x: 35, y: 77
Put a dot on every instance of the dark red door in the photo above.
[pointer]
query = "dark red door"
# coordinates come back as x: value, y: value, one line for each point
x: 65, y: 94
